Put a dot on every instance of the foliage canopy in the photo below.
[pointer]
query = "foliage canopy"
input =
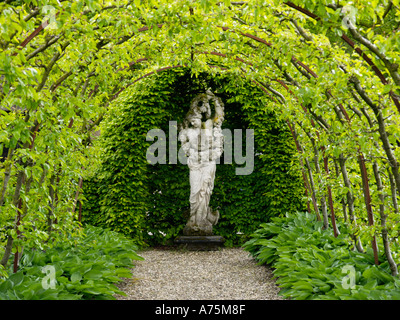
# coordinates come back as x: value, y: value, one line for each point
x: 330, y: 70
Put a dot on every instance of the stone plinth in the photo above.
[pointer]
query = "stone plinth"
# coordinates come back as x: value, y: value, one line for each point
x: 200, y: 243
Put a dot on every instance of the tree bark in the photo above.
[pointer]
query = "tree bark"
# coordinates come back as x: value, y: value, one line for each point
x: 382, y: 130
x: 50, y: 212
x: 393, y: 192
x: 324, y: 208
x: 7, y: 176
x: 7, y: 251
x: 16, y: 198
x: 350, y: 201
x: 299, y: 149
x: 367, y: 198
x: 312, y: 187
x: 330, y: 199
x: 343, y: 201
x: 385, y: 238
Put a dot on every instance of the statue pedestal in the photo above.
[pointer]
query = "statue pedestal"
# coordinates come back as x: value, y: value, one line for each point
x: 200, y: 243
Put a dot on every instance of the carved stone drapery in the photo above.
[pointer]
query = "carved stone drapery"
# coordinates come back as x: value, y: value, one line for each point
x: 202, y: 140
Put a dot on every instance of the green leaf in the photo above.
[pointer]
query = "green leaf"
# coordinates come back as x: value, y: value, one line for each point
x: 387, y: 88
x: 76, y: 277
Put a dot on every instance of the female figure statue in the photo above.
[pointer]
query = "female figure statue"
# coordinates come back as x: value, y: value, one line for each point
x: 203, y: 144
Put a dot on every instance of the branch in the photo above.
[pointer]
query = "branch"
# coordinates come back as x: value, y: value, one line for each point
x: 43, y: 47
x: 301, y: 31
x: 392, y: 67
x: 279, y: 95
x: 46, y: 74
x: 32, y: 14
x: 382, y: 130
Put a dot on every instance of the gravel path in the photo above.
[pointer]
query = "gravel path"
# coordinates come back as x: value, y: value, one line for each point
x: 227, y: 274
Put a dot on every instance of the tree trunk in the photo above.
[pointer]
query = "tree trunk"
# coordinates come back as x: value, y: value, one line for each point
x: 393, y: 191
x: 324, y: 208
x: 333, y: 218
x: 382, y: 130
x: 16, y: 198
x: 350, y: 200
x: 50, y: 212
x: 312, y: 187
x: 385, y: 238
x: 7, y: 176
x: 367, y: 198
x: 7, y: 251
x: 343, y: 201
x: 299, y: 149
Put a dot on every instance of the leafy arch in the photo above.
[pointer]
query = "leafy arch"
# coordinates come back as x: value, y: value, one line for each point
x: 58, y: 81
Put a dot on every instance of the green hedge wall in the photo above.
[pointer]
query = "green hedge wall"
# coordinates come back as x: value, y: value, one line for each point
x: 151, y: 202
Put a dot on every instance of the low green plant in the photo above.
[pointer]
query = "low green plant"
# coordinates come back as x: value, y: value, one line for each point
x: 310, y: 263
x: 87, y: 270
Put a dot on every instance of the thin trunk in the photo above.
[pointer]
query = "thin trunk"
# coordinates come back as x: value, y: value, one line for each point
x: 80, y: 211
x: 50, y: 212
x: 77, y: 194
x: 393, y: 192
x: 7, y: 251
x: 330, y: 199
x: 312, y: 187
x: 7, y: 175
x: 16, y: 198
x: 16, y: 254
x: 350, y: 201
x: 343, y: 201
x: 21, y: 213
x: 324, y: 209
x: 367, y: 198
x: 385, y: 238
x: 382, y: 130
x: 299, y: 149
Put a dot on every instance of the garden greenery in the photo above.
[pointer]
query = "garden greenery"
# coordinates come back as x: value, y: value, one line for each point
x: 87, y: 270
x: 310, y: 263
x: 328, y: 70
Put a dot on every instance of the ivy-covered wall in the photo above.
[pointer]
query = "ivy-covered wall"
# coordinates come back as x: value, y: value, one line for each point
x: 151, y: 202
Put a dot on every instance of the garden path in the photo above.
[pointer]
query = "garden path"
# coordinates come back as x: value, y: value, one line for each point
x: 227, y: 274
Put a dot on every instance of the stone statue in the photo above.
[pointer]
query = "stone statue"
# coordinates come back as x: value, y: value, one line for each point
x: 202, y: 142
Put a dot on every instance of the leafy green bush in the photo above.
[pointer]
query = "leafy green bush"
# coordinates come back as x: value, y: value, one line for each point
x: 87, y: 270
x: 310, y: 263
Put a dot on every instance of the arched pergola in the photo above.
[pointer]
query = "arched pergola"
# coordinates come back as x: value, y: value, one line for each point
x: 338, y: 93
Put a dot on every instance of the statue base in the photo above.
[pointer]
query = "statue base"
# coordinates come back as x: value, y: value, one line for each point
x: 200, y: 243
x: 203, y: 228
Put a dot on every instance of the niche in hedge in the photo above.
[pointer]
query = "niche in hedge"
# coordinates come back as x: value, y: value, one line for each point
x: 151, y: 202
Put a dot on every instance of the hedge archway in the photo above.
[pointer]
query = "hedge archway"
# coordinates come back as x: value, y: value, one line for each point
x: 244, y: 201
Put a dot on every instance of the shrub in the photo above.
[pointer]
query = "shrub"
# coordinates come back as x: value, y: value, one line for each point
x: 87, y: 270
x: 310, y: 263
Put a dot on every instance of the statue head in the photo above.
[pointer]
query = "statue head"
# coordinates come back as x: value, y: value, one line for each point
x: 200, y: 106
x: 194, y: 119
